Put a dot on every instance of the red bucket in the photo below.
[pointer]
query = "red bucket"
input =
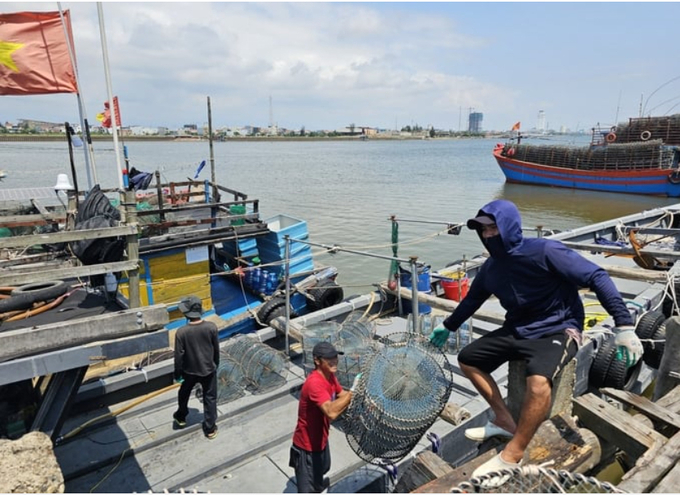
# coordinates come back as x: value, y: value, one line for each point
x: 455, y: 290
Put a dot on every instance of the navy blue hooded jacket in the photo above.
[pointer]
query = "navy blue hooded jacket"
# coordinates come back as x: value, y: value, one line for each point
x: 536, y: 281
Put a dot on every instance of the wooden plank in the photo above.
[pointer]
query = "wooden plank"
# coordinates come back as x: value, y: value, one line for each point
x: 670, y: 482
x: 650, y: 409
x: 18, y: 277
x: 651, y: 468
x: 31, y: 220
x: 671, y: 400
x: 39, y: 206
x: 29, y: 341
x: 615, y: 426
x: 557, y: 439
x: 66, y: 236
x: 426, y: 467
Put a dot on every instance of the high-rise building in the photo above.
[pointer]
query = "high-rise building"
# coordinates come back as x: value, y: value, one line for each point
x: 475, y: 122
x: 541, y: 122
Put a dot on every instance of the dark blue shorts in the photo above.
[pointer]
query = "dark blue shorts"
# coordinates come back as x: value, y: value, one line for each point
x: 310, y: 468
x: 544, y: 356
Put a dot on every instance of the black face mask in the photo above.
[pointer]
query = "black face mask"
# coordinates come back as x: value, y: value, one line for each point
x: 495, y: 246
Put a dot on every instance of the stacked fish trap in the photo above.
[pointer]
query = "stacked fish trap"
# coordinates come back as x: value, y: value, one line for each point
x: 353, y: 337
x: 262, y: 367
x: 404, y: 387
x: 230, y: 379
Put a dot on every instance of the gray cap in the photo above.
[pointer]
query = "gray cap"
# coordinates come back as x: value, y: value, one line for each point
x: 477, y: 222
x: 191, y: 307
x: 325, y: 350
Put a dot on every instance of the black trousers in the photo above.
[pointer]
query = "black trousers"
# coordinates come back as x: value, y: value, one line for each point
x: 209, y: 384
x: 310, y: 468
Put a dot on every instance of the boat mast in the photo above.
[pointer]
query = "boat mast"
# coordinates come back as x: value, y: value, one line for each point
x: 90, y: 169
x: 212, y: 154
x: 112, y: 107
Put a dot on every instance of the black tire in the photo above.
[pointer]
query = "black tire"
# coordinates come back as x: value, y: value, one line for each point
x: 325, y: 294
x: 602, y: 373
x: 654, y: 350
x: 272, y: 309
x: 16, y: 302
x: 43, y: 291
x: 647, y: 326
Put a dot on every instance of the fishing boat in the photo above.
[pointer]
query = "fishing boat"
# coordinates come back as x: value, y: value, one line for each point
x: 116, y: 436
x: 640, y: 157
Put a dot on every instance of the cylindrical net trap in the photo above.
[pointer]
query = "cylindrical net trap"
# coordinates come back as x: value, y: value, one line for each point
x: 355, y: 340
x: 263, y: 367
x: 404, y: 387
x: 230, y: 380
x: 313, y: 334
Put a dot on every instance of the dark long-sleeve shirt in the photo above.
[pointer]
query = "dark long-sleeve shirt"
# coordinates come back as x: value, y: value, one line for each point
x: 536, y: 281
x: 197, y: 349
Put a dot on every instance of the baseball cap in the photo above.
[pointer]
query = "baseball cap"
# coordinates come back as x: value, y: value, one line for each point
x: 191, y: 307
x: 325, y: 350
x: 477, y: 222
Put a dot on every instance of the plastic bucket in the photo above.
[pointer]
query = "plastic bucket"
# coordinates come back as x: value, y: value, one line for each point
x: 455, y: 290
x: 423, y: 286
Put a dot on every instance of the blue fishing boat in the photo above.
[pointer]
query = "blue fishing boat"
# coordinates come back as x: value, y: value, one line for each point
x: 640, y: 157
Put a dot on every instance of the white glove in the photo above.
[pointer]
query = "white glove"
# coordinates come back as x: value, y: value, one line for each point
x: 355, y: 382
x: 628, y: 346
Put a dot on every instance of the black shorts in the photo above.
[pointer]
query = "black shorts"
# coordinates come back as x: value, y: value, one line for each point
x: 544, y: 356
x: 310, y: 468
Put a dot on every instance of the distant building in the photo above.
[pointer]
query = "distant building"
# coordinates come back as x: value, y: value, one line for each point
x: 475, y: 122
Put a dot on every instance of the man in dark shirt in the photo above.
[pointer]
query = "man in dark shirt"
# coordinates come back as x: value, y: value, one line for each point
x: 197, y: 356
x: 537, y: 282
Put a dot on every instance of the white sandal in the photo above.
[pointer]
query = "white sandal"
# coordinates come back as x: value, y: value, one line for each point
x: 487, y: 431
x: 495, y: 465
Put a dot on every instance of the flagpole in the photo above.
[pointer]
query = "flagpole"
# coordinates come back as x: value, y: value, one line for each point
x: 90, y: 168
x: 112, y: 107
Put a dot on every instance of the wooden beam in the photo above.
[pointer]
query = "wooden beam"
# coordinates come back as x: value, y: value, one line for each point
x: 35, y: 340
x: 652, y: 410
x: 66, y: 236
x: 22, y: 277
x: 651, y: 468
x: 31, y: 220
x: 615, y: 426
x: 558, y: 439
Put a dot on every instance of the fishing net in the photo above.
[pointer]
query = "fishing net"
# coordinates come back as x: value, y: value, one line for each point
x: 534, y: 479
x: 403, y: 388
x: 263, y: 367
x: 312, y: 335
x: 230, y: 380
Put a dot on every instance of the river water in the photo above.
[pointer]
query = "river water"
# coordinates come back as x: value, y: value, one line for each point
x: 346, y: 190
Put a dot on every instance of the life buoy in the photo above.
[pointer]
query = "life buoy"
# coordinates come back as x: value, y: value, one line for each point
x: 645, y: 135
x: 611, y: 137
x: 674, y: 177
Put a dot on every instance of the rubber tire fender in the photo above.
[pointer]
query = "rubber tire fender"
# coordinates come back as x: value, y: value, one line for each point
x: 325, y: 294
x: 647, y: 326
x: 602, y: 373
x: 272, y: 309
x: 654, y: 351
x: 43, y: 291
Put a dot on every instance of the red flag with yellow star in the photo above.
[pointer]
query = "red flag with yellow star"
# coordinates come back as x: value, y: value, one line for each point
x: 34, y: 55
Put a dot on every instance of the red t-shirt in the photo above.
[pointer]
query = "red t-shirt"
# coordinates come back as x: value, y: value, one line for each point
x: 311, y: 432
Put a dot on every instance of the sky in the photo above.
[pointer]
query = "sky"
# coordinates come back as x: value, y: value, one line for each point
x: 383, y: 64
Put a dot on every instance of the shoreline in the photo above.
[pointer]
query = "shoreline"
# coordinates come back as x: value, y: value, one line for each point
x: 186, y: 139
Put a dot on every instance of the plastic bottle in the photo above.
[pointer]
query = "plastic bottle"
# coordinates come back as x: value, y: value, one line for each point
x: 465, y: 333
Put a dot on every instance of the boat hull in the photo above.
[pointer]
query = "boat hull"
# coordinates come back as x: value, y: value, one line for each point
x: 655, y: 182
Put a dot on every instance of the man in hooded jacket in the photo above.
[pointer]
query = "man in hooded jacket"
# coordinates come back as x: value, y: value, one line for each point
x: 536, y: 281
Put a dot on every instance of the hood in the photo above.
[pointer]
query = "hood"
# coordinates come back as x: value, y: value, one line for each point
x: 508, y: 220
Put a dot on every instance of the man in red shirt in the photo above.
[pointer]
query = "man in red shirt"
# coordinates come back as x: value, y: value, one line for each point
x: 322, y: 400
